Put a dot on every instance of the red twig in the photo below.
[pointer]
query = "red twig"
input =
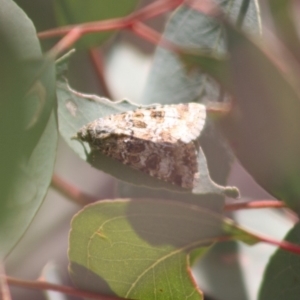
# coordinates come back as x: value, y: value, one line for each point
x: 65, y: 42
x: 290, y: 247
x: 40, y: 285
x: 150, y: 11
x: 111, y: 24
x: 71, y: 191
x: 4, y: 289
x: 74, y: 32
x: 97, y: 58
x: 281, y: 244
x: 255, y: 204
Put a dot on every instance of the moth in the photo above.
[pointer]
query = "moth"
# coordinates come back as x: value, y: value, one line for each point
x: 160, y: 140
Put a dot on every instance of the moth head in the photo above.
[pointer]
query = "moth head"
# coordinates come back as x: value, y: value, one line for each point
x: 83, y: 134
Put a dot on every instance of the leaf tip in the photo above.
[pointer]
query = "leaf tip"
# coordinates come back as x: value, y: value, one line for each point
x: 232, y: 192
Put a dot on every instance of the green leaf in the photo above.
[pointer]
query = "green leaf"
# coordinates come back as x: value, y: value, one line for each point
x: 139, y: 248
x: 20, y: 30
x: 39, y: 100
x: 28, y: 130
x: 62, y: 64
x: 79, y: 11
x: 263, y: 126
x: 219, y: 272
x: 281, y: 277
x: 168, y: 80
x: 239, y: 233
x: 282, y: 13
x: 217, y: 66
x: 29, y: 188
x: 76, y: 110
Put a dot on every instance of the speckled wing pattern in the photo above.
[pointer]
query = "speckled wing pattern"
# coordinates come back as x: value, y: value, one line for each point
x: 158, y: 140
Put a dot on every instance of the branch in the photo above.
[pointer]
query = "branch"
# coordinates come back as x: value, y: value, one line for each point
x: 40, y: 285
x: 68, y: 40
x: 74, y: 32
x: 255, y: 204
x: 282, y: 244
x: 150, y: 11
x: 4, y: 289
x: 71, y: 192
x: 97, y: 58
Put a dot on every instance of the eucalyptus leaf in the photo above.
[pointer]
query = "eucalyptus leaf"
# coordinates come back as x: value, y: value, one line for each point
x: 28, y: 130
x: 263, y: 125
x: 139, y: 248
x: 282, y: 13
x: 29, y: 188
x: 281, y: 275
x: 77, y: 110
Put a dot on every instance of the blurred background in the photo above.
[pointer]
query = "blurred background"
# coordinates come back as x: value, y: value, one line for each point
x: 127, y: 60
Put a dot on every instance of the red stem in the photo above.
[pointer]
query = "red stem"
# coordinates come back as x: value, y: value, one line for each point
x: 71, y: 191
x: 255, y: 204
x: 97, y: 58
x: 74, y: 32
x: 281, y: 244
x: 150, y: 11
x: 40, y: 285
x: 4, y: 289
x: 69, y: 39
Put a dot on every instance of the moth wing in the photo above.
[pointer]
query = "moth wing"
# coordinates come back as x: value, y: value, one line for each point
x: 167, y: 123
x: 176, y: 163
x: 189, y: 123
x: 160, y: 123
